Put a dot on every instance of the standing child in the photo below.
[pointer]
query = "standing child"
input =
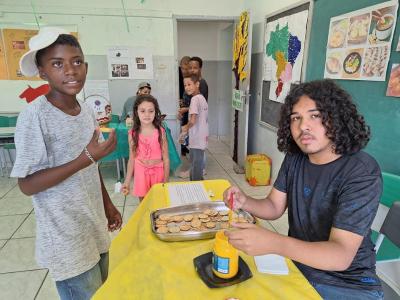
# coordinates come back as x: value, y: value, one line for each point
x: 148, y: 155
x: 197, y: 126
x: 57, y: 148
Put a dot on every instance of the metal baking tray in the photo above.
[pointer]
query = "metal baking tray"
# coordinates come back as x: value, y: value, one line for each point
x: 191, y: 209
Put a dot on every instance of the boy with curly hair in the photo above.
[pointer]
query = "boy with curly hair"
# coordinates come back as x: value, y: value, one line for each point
x: 331, y: 189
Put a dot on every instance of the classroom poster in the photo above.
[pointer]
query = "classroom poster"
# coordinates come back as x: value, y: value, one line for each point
x: 130, y: 63
x: 359, y: 43
x: 16, y: 43
x: 284, y: 41
x: 3, y: 65
x: 393, y: 88
x: 142, y: 63
x: 120, y: 63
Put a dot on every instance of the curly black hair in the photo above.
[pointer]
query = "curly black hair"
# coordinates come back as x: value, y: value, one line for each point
x: 345, y: 127
x: 63, y: 39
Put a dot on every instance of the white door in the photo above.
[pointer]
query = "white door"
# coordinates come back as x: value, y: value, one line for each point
x: 240, y: 117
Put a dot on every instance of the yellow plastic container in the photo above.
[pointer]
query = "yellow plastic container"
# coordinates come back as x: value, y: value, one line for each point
x: 258, y: 169
x: 225, y: 259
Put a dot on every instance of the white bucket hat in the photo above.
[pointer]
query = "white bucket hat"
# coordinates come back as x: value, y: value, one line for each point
x: 45, y: 37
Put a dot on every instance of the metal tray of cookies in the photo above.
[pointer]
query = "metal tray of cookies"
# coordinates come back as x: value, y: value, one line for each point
x: 193, y: 222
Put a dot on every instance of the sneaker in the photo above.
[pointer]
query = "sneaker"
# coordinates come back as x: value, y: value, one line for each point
x: 184, y: 174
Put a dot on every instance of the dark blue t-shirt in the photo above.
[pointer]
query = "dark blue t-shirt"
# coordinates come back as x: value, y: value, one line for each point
x: 343, y: 194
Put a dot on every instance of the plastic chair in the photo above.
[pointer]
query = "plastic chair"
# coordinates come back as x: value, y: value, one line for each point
x: 389, y: 249
x: 4, y: 121
x: 12, y: 121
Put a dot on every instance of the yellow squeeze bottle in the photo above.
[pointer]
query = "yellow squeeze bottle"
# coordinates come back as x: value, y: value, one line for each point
x: 225, y: 261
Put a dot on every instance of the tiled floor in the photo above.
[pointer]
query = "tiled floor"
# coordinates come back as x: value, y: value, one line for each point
x: 21, y: 278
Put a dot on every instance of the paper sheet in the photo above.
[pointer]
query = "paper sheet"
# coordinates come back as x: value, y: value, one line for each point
x: 187, y: 193
x: 271, y: 264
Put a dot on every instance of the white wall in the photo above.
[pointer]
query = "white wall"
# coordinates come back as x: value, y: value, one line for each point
x: 101, y: 24
x: 205, y: 39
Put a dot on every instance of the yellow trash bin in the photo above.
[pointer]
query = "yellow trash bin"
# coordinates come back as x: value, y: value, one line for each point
x: 258, y: 169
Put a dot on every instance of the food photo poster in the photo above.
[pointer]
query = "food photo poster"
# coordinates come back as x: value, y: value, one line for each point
x: 393, y: 88
x: 358, y: 46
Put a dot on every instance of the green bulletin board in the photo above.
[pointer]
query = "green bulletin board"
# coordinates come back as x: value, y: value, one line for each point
x: 382, y: 113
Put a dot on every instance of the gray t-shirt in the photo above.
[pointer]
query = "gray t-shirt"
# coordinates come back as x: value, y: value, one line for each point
x: 128, y: 108
x: 71, y: 223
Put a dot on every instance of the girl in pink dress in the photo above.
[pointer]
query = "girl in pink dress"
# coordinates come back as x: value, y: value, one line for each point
x: 148, y: 148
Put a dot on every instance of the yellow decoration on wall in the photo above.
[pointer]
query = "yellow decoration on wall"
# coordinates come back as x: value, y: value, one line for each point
x: 16, y: 44
x: 240, y: 47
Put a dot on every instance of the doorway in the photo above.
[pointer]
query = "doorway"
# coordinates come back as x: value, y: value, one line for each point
x: 211, y: 40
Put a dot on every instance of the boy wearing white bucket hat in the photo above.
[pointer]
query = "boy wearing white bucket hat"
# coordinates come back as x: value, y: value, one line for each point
x: 57, y: 146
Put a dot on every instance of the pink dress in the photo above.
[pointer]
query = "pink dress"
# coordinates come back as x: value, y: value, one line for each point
x: 145, y: 176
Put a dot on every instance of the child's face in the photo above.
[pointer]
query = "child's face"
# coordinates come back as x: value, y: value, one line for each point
x: 64, y: 68
x: 146, y: 112
x: 191, y: 88
x: 194, y: 68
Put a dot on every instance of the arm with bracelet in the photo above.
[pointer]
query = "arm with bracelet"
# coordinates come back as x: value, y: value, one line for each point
x: 46, y: 178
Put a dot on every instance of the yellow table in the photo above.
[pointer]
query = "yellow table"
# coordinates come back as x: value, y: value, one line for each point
x: 144, y: 267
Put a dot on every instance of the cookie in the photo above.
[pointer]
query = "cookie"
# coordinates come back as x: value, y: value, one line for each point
x: 161, y: 222
x: 162, y: 229
x: 164, y: 217
x: 177, y: 218
x: 223, y: 212
x: 185, y: 227
x: 213, y: 213
x: 210, y: 224
x: 195, y: 223
x: 203, y: 216
x: 205, y: 220
x: 174, y: 229
x: 188, y: 218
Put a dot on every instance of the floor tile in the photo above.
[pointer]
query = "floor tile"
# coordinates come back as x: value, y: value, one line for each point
x: 18, y: 255
x: 28, y: 228
x: 48, y: 291
x: 118, y: 199
x: 15, y: 205
x: 132, y: 201
x: 16, y: 192
x: 9, y: 225
x: 21, y: 285
x: 281, y: 225
x: 128, y: 212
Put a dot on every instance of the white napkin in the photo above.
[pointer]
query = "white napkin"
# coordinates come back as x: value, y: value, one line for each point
x: 271, y: 264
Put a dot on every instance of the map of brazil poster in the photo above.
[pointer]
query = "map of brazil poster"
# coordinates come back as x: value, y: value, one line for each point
x: 283, y: 53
